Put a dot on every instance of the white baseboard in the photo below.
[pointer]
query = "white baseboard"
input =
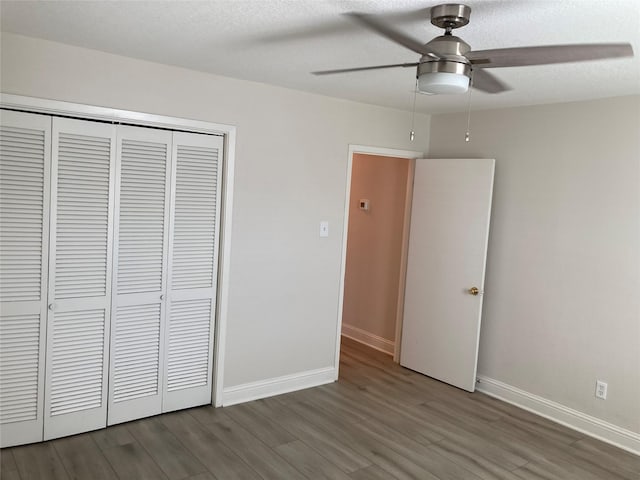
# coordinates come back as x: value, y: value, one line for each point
x: 369, y: 339
x: 592, y: 426
x: 276, y: 386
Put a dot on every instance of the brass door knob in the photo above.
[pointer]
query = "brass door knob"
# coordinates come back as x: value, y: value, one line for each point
x: 474, y: 291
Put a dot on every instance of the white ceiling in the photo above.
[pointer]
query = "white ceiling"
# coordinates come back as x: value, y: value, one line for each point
x: 280, y: 41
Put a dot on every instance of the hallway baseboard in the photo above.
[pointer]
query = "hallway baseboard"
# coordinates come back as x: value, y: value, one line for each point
x: 368, y: 339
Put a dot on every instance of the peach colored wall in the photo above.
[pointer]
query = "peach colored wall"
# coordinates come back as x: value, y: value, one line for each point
x: 374, y: 245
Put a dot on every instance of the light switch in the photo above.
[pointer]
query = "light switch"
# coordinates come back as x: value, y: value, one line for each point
x: 324, y: 228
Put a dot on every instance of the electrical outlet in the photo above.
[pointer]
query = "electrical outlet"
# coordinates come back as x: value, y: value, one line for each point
x: 601, y: 389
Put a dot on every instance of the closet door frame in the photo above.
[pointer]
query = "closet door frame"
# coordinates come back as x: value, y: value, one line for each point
x: 91, y: 112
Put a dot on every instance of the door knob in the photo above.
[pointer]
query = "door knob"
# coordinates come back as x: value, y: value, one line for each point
x: 161, y: 297
x: 52, y: 306
x: 474, y: 291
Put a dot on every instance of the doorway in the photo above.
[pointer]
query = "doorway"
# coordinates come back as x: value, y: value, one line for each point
x: 377, y: 221
x: 439, y: 300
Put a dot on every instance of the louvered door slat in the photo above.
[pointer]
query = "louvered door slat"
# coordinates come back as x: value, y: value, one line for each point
x: 195, y: 213
x: 25, y: 148
x: 25, y: 177
x: 193, y: 270
x: 83, y: 181
x: 137, y: 333
x: 83, y: 175
x: 142, y: 202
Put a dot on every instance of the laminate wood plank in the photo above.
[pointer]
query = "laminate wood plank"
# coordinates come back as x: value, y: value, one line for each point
x: 83, y: 459
x: 338, y: 405
x: 409, y: 388
x: 533, y: 430
x: 341, y: 455
x: 260, y: 425
x: 470, y: 440
x: 387, y: 459
x: 374, y: 472
x: 383, y: 390
x: 480, y: 464
x: 467, y: 403
x: 9, y: 475
x: 404, y: 381
x: 458, y: 428
x: 38, y: 461
x: 202, y: 476
x: 388, y: 414
x: 539, y: 448
x: 113, y: 436
x: 165, y: 449
x: 310, y: 462
x: 219, y: 459
x: 259, y: 456
x: 8, y: 466
x: 421, y: 455
x: 549, y: 431
x: 608, y: 457
x: 208, y: 414
x: 132, y: 461
x: 555, y: 470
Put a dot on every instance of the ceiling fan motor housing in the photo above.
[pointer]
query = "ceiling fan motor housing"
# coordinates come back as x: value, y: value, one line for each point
x: 452, y: 71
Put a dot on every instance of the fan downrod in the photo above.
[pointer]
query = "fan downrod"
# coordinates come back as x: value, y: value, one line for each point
x: 450, y: 16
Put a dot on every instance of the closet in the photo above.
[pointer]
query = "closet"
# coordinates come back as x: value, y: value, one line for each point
x: 108, y: 269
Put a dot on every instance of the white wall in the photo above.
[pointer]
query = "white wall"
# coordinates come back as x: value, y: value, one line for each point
x: 562, y: 304
x: 291, y: 164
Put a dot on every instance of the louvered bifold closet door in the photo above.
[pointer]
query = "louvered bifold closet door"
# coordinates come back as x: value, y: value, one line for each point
x: 25, y: 148
x: 193, y: 269
x: 82, y: 174
x: 140, y: 273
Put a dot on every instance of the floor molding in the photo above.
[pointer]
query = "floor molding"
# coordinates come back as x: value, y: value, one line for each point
x: 592, y: 426
x: 369, y: 339
x: 276, y: 386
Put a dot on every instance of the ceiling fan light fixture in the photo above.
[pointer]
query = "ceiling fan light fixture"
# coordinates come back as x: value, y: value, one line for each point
x: 443, y: 77
x: 442, y: 83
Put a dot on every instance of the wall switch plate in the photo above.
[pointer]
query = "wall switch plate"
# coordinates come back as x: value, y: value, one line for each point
x: 324, y: 228
x: 601, y: 389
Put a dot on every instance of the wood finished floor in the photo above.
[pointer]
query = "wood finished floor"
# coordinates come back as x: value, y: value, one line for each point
x: 380, y: 421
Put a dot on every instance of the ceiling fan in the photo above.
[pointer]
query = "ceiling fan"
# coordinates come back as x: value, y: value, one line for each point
x: 448, y: 65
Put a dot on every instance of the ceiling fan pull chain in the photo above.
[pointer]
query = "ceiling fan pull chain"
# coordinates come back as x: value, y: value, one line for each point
x: 412, y: 134
x: 467, y: 135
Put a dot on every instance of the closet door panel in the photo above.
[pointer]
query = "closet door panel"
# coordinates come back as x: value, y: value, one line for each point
x: 193, y: 269
x: 141, y: 256
x: 25, y: 147
x: 83, y: 161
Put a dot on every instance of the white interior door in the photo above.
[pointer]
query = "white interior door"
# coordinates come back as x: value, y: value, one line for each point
x: 447, y: 255
x: 82, y: 185
x: 140, y: 273
x: 193, y: 269
x: 25, y: 146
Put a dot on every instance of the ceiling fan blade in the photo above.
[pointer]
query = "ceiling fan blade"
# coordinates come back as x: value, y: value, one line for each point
x: 487, y: 82
x: 378, y: 26
x: 359, y: 69
x: 543, y: 55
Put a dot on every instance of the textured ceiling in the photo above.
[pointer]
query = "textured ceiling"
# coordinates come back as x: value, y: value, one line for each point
x: 280, y: 41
